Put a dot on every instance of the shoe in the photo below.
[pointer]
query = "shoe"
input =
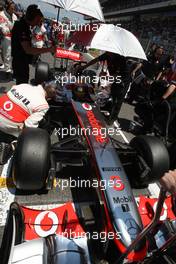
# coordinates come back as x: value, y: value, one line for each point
x: 1, y: 66
x: 5, y: 152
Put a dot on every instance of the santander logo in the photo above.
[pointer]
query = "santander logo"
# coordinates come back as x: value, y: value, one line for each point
x: 46, y: 223
x: 118, y: 184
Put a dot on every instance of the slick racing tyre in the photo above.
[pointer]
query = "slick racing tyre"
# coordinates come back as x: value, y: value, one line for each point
x: 31, y: 159
x: 41, y: 72
x: 154, y: 154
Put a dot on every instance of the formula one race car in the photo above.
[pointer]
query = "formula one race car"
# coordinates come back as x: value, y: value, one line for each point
x: 57, y: 235
x: 33, y: 236
x: 119, y: 166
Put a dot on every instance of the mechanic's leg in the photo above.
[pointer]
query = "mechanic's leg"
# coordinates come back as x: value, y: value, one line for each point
x: 146, y: 114
x: 21, y: 79
x: 6, y: 147
x: 21, y: 71
x: 7, y: 54
x: 118, y: 93
x: 133, y: 93
x: 6, y: 51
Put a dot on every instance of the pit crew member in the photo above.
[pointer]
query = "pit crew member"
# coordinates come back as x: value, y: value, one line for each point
x: 7, y: 20
x: 22, y: 50
x: 24, y: 105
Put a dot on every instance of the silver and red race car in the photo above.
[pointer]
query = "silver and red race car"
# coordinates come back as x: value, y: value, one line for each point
x: 120, y: 167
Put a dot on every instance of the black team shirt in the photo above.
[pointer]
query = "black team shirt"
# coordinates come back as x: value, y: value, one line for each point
x: 21, y: 32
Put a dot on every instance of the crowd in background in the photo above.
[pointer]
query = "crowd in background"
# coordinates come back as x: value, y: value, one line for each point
x: 160, y: 31
x: 158, y: 28
x: 124, y: 4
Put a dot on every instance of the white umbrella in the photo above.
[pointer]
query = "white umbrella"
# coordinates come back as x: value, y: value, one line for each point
x: 117, y: 40
x: 90, y: 8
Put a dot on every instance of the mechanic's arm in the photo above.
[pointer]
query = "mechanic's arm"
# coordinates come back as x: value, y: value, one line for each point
x: 34, y: 119
x: 168, y: 181
x: 169, y: 91
x: 159, y: 76
x: 139, y: 65
x: 92, y: 62
x: 35, y: 51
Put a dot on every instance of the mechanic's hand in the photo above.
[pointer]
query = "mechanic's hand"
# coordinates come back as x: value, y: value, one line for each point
x: 168, y: 181
x: 133, y: 74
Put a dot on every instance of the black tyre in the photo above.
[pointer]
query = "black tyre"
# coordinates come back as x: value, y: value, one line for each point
x: 154, y: 153
x: 12, y: 228
x: 41, y: 72
x: 32, y: 159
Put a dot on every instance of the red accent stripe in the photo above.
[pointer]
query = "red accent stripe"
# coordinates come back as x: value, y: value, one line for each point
x: 134, y: 256
x: 40, y: 107
x: 8, y: 35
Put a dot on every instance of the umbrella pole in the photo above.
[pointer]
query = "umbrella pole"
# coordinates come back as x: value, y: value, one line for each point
x: 58, y: 14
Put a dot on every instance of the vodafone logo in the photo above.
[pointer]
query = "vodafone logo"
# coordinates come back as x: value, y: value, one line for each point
x: 87, y: 107
x: 67, y: 54
x: 8, y: 106
x: 118, y: 184
x: 46, y: 223
x: 164, y: 215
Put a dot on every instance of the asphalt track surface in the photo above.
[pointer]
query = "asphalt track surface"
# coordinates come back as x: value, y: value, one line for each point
x: 53, y: 198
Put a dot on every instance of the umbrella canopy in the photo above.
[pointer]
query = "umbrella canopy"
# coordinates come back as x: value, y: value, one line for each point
x: 110, y: 38
x: 83, y: 36
x: 90, y: 8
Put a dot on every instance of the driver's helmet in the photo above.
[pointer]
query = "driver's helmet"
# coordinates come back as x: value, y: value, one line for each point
x: 80, y: 91
x: 102, y: 98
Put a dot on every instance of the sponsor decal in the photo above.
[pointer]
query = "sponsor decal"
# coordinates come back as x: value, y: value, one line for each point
x: 147, y: 207
x: 95, y: 125
x: 46, y: 230
x: 19, y: 96
x: 67, y: 54
x: 125, y: 208
x: 118, y: 184
x: 8, y: 106
x: 106, y: 169
x: 60, y: 220
x: 122, y: 200
x: 87, y: 107
x: 132, y: 227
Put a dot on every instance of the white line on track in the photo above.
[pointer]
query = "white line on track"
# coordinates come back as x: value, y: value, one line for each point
x: 7, y: 196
